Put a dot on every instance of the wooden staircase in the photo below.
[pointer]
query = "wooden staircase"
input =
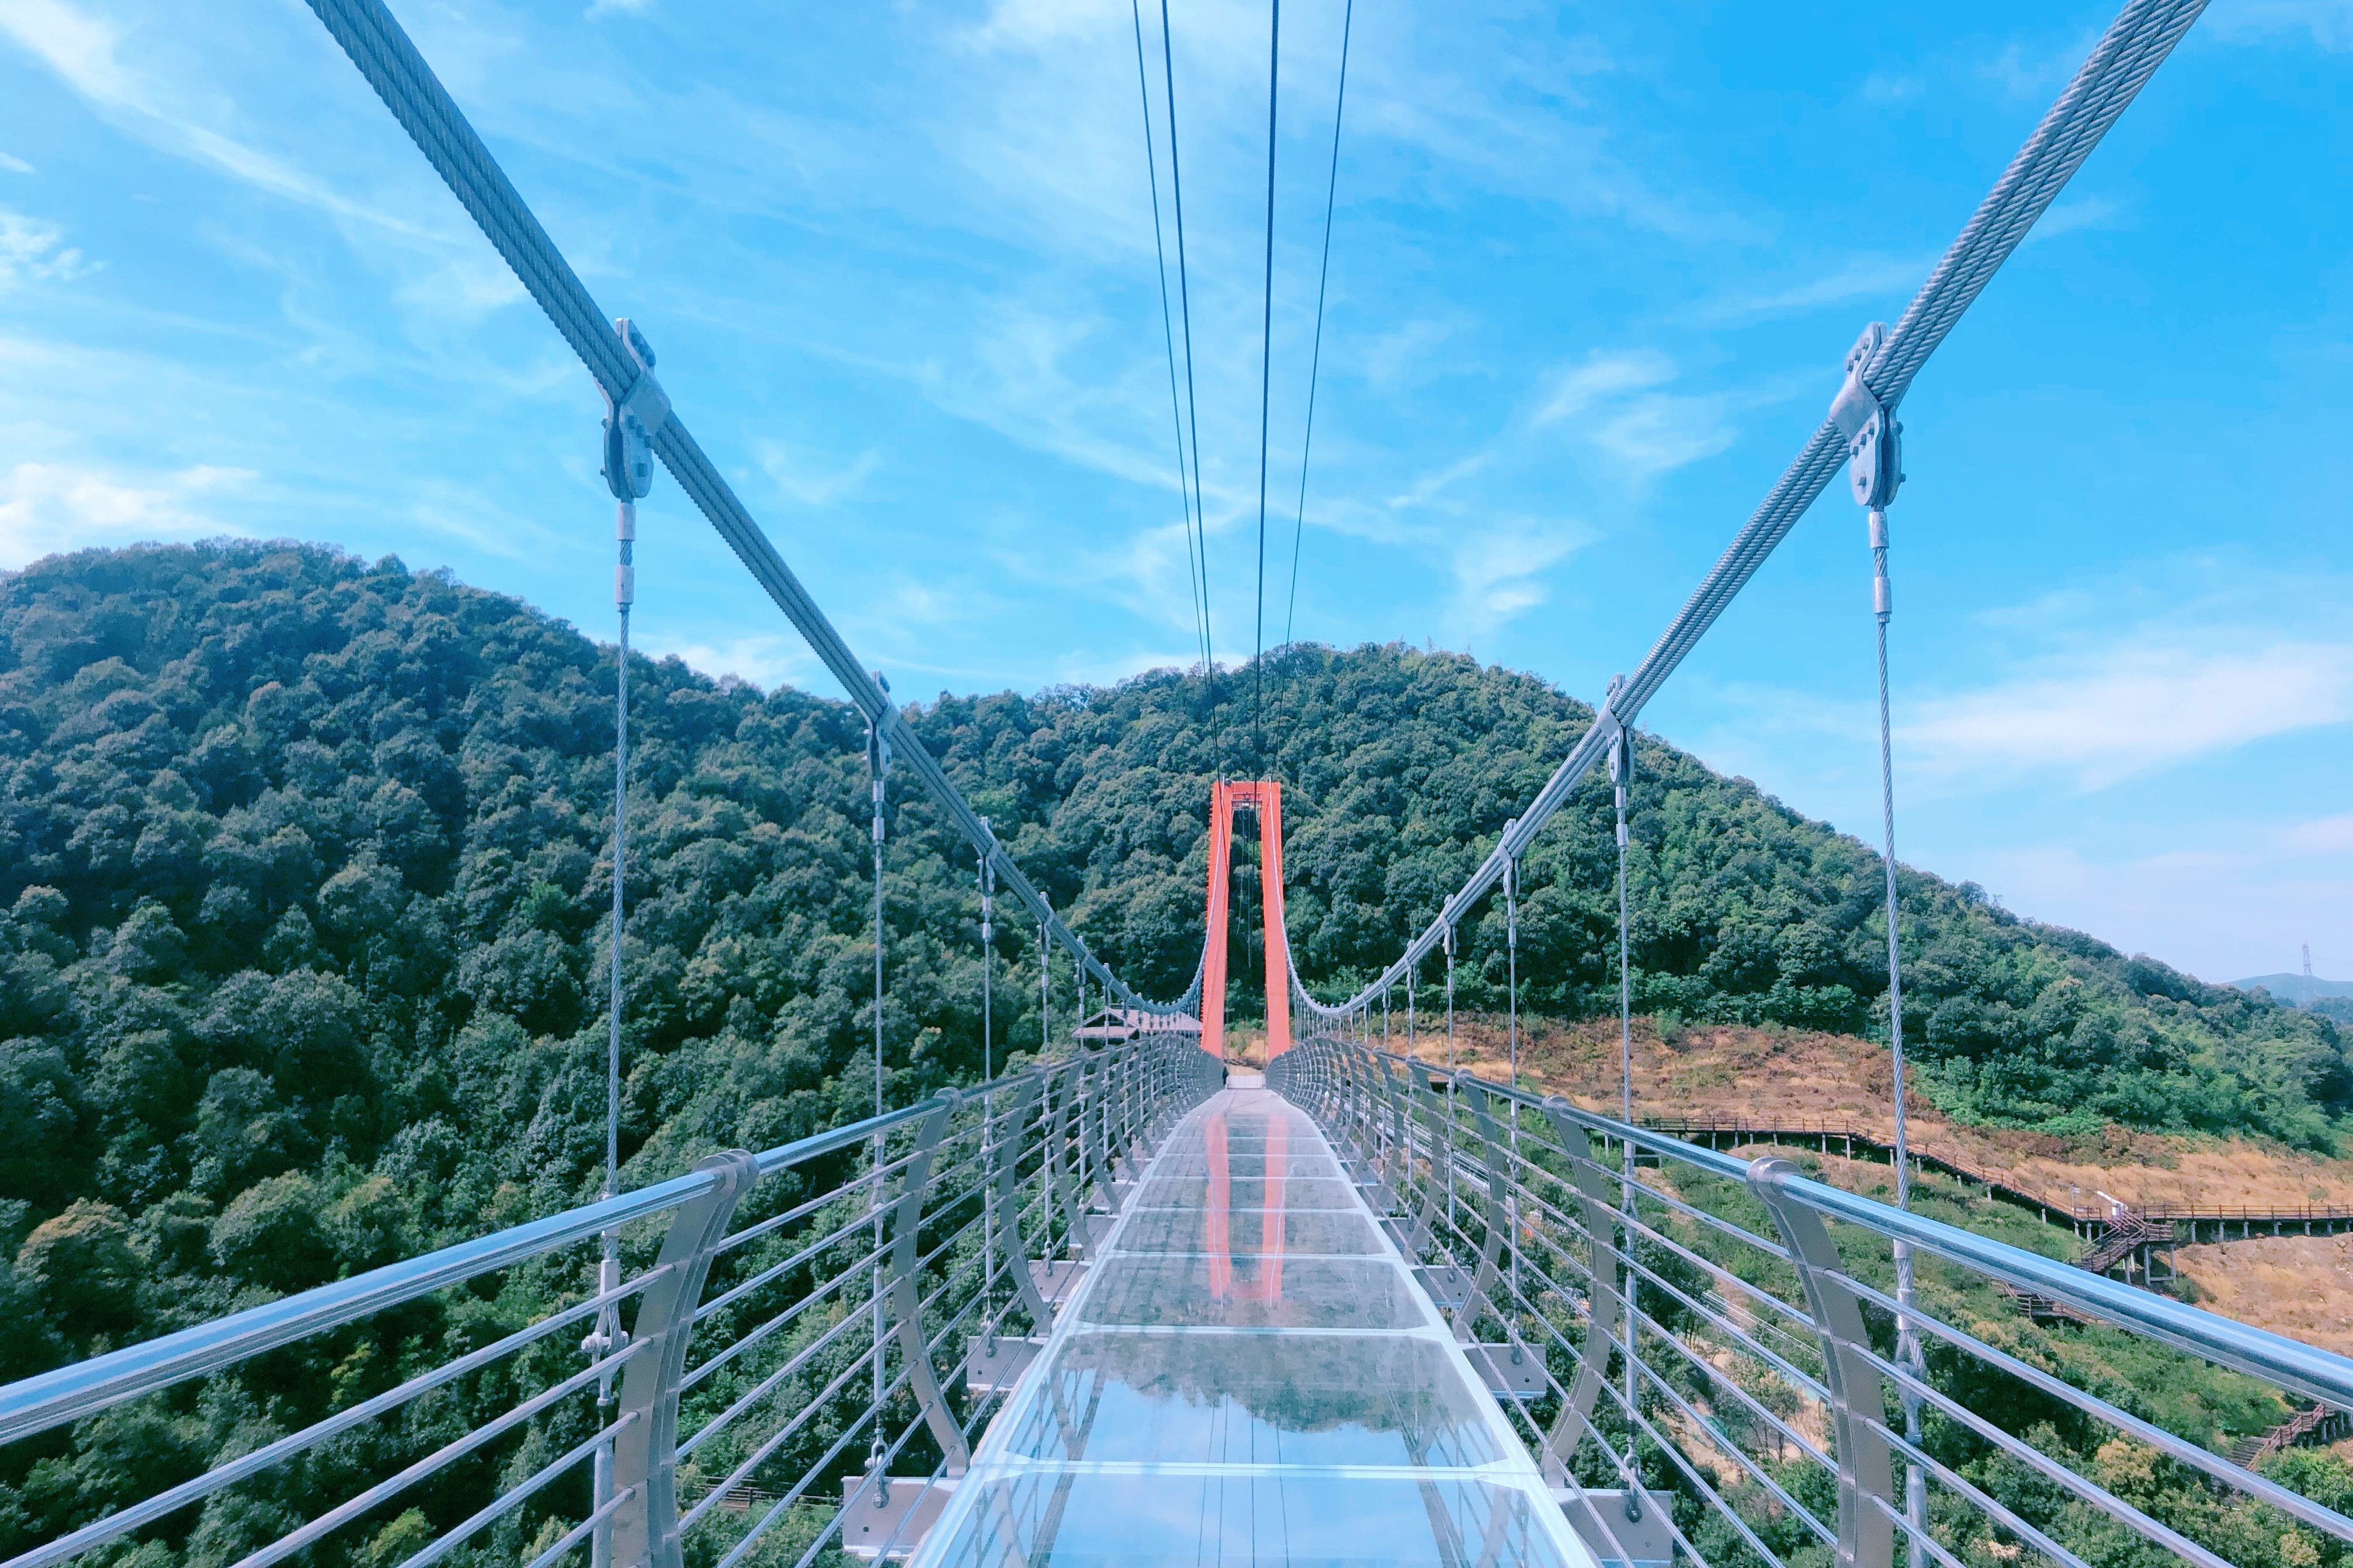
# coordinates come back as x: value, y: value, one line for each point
x: 2305, y: 1428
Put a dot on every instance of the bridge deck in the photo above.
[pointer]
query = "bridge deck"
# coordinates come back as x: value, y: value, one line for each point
x: 1251, y: 1374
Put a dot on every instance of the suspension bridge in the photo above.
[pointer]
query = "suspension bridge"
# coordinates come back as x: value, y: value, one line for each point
x: 1124, y: 1305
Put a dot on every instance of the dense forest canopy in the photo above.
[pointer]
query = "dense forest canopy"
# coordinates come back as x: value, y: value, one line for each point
x: 305, y: 869
x: 304, y: 893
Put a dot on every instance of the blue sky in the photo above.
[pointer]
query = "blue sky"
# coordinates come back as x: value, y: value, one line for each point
x: 1593, y: 272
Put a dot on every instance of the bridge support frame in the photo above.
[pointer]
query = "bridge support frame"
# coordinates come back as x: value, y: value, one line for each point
x: 1265, y: 796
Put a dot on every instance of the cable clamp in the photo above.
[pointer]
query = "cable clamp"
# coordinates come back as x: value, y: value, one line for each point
x: 631, y: 424
x: 1874, y: 459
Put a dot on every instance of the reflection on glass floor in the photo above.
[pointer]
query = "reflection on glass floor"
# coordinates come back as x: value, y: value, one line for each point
x: 1250, y: 1374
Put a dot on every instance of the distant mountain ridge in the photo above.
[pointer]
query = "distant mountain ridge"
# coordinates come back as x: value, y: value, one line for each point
x: 2301, y: 990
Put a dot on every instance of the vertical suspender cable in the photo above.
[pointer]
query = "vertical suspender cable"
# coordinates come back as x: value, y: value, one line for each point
x: 1315, y: 360
x: 1184, y: 303
x: 985, y: 875
x: 1621, y: 777
x: 608, y: 1336
x: 878, y: 763
x: 1512, y: 994
x: 1453, y: 1142
x: 1867, y: 419
x: 1907, y: 1349
x: 1045, y: 992
x: 1195, y: 565
x: 628, y: 473
x: 1265, y: 389
x: 1512, y: 963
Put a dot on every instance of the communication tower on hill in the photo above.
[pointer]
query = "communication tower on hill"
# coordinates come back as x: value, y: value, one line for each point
x: 2308, y: 960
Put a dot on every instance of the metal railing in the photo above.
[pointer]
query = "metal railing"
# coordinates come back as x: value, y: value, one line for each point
x: 806, y: 1321
x: 1660, y: 1314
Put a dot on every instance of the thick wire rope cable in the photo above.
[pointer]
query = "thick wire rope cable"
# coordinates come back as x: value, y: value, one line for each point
x: 2143, y: 34
x: 1193, y: 565
x: 1315, y: 360
x: 1265, y: 396
x: 389, y: 61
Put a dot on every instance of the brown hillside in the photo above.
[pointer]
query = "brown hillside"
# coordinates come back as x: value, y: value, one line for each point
x: 1805, y: 1078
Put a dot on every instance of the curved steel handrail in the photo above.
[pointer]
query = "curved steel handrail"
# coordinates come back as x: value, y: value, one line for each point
x: 2305, y: 1369
x: 69, y: 1392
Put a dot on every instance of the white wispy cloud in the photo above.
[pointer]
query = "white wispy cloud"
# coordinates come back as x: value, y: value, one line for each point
x: 2164, y: 902
x: 2327, y: 23
x: 2134, y: 707
x: 1499, y: 571
x: 15, y: 164
x: 51, y: 508
x: 2323, y: 835
x: 1894, y: 278
x: 767, y: 659
x: 811, y: 482
x: 2066, y: 217
x: 85, y: 50
x: 1606, y: 375
x: 32, y: 249
x: 1614, y: 397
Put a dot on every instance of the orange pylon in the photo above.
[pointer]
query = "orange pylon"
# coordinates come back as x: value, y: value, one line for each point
x: 1264, y: 796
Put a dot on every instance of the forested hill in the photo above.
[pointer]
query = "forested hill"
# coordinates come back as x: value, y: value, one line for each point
x: 305, y: 871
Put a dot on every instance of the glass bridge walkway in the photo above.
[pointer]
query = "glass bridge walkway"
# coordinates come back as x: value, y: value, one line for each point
x: 1251, y: 1374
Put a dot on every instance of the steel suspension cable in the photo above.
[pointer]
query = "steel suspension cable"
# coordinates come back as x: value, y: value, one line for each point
x: 1265, y: 394
x: 388, y: 57
x: 1315, y: 360
x: 2143, y: 34
x: 1193, y: 562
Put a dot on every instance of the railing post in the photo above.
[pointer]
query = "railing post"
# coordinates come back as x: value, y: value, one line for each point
x: 906, y: 1303
x: 1607, y: 1306
x: 1477, y: 1299
x: 1866, y: 1531
x: 1370, y: 1142
x: 1061, y: 1157
x: 1094, y: 1125
x: 1441, y: 1167
x: 1401, y: 1136
x: 645, y: 1446
x: 1003, y: 1181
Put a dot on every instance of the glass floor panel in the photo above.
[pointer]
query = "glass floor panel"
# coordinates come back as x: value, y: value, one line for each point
x: 1249, y: 1373
x: 1093, y: 1520
x: 1195, y: 1192
x: 1252, y: 1293
x: 1257, y: 1399
x: 1253, y: 1163
x: 1331, y: 1230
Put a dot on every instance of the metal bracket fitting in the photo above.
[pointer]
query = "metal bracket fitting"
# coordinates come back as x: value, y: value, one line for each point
x: 1873, y: 458
x: 631, y: 424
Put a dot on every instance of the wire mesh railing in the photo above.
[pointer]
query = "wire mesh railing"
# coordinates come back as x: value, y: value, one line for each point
x: 1722, y: 1337
x: 817, y: 1332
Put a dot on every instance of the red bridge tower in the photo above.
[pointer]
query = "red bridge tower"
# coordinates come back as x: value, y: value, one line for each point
x: 1265, y: 796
